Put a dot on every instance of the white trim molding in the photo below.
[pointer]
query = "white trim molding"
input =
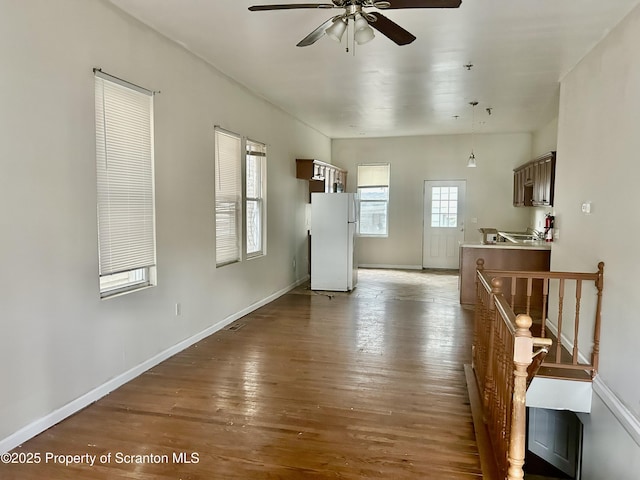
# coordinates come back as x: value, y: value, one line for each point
x: 629, y: 421
x: 394, y: 267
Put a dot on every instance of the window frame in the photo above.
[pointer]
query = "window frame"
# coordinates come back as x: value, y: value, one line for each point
x: 258, y: 151
x: 228, y: 206
x: 125, y: 178
x: 444, y: 206
x: 377, y: 183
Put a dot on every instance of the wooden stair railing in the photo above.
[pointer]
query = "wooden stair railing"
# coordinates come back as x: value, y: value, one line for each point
x: 503, y: 356
x: 565, y: 359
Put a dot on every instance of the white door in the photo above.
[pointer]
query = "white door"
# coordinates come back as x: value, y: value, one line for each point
x: 443, y: 223
x: 555, y: 436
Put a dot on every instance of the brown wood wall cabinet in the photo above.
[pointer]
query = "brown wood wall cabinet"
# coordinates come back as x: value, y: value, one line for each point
x: 322, y: 176
x: 533, y: 182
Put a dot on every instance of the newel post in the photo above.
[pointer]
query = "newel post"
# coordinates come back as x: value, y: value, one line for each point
x: 522, y: 356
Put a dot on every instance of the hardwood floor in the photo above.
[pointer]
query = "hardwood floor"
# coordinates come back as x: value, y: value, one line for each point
x: 312, y: 386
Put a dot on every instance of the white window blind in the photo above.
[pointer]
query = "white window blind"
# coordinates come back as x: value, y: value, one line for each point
x: 125, y: 178
x: 255, y: 179
x: 373, y: 195
x: 373, y: 175
x: 228, y: 196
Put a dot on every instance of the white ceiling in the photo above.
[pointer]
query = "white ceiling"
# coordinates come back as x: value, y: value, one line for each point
x: 520, y: 50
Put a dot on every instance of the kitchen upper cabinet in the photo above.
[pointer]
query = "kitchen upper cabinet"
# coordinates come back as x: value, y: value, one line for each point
x: 322, y: 176
x: 545, y: 176
x: 518, y: 188
x: 533, y: 182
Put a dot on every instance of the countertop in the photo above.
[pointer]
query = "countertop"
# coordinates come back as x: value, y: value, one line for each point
x: 537, y: 245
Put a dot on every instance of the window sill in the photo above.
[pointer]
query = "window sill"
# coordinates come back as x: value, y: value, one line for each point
x: 119, y: 293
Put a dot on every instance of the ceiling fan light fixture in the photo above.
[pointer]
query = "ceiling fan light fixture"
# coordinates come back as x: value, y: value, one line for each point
x: 360, y: 22
x: 336, y: 30
x: 364, y: 35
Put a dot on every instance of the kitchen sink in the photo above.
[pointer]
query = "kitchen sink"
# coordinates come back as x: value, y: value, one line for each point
x: 517, y: 237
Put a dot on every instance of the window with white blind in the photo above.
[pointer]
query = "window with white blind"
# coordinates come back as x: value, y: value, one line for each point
x: 125, y: 176
x: 255, y: 181
x: 373, y: 195
x: 228, y: 196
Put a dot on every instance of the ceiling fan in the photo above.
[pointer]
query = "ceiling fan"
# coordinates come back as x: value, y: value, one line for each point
x: 363, y: 20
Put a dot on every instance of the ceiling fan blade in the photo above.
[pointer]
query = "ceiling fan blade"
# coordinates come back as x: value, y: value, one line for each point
x: 391, y: 29
x: 288, y: 6
x: 424, y: 4
x: 314, y: 36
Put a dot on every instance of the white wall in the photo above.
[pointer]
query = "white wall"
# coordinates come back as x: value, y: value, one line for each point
x: 598, y: 145
x: 59, y: 340
x: 545, y: 139
x: 416, y: 159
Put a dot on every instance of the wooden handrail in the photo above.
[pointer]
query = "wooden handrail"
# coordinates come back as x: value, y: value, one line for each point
x: 561, y: 325
x: 503, y: 356
x: 540, y: 275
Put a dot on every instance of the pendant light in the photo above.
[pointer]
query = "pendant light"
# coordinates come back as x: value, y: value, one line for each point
x: 471, y: 163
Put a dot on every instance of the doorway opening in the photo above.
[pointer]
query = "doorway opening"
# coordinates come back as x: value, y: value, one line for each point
x: 554, y: 445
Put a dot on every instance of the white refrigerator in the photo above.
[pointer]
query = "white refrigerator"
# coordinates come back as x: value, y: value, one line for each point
x: 334, y: 219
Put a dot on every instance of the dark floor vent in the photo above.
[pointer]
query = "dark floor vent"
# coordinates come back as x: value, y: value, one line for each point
x: 234, y: 327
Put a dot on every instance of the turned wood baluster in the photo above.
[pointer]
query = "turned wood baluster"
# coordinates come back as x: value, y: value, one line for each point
x: 595, y: 355
x: 477, y: 340
x: 501, y: 378
x: 514, y: 288
x: 523, y: 349
x: 560, y: 307
x: 485, y: 327
x: 545, y: 296
x: 576, y: 325
x: 496, y: 289
x: 506, y: 391
x: 529, y: 291
x: 497, y: 376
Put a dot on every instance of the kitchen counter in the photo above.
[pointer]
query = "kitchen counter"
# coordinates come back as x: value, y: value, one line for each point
x: 537, y: 245
x: 527, y: 256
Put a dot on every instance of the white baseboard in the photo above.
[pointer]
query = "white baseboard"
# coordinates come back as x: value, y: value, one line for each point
x: 629, y: 421
x: 394, y: 267
x: 40, y: 425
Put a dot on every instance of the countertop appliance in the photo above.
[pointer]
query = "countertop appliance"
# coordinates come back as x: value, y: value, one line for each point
x: 489, y: 235
x: 334, y: 218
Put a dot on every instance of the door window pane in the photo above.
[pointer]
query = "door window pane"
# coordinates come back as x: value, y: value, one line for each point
x: 444, y: 207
